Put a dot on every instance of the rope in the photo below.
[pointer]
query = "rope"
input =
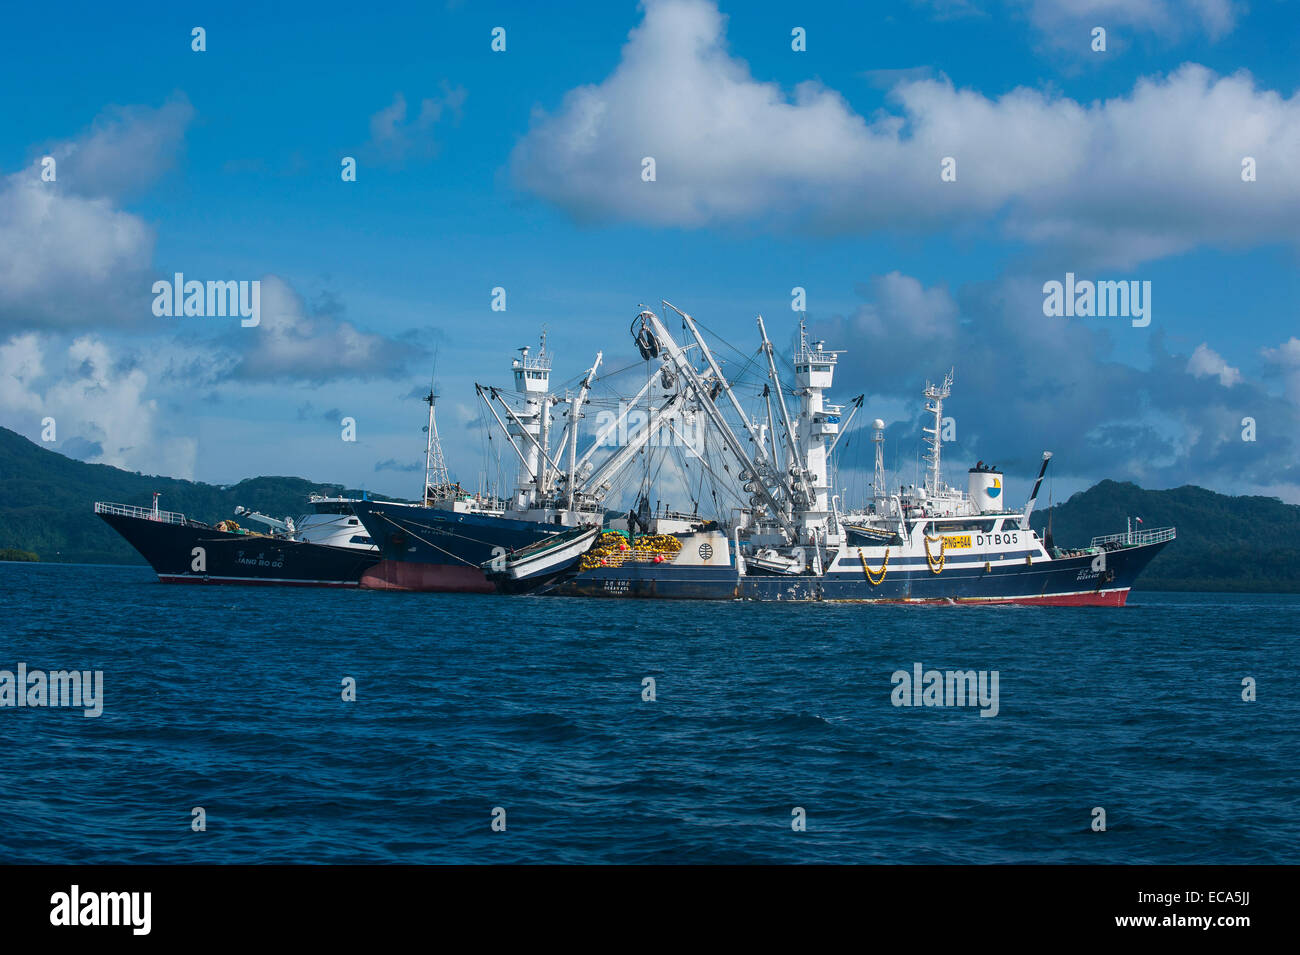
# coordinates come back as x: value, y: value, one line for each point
x: 936, y: 567
x: 874, y: 578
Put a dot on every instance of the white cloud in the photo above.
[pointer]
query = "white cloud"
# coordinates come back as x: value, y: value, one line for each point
x: 22, y: 364
x: 1067, y: 23
x: 1060, y: 19
x: 1151, y: 173
x: 127, y: 149
x: 66, y: 260
x: 394, y: 139
x: 1206, y: 362
x: 96, y: 400
x: 69, y: 256
x: 1285, y: 361
x: 1286, y: 355
x: 295, y: 342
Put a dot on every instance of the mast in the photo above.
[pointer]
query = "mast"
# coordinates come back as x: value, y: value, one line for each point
x: 771, y: 426
x: 934, y: 395
x: 527, y: 432
x: 600, y: 481
x: 878, y: 481
x: 614, y: 423
x: 575, y: 409
x: 797, y: 463
x: 722, y: 380
x: 437, y: 482
x: 844, y: 429
x: 482, y: 392
x: 524, y: 431
x: 543, y: 474
x: 711, y: 409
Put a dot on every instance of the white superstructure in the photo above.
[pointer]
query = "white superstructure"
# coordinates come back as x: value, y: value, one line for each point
x: 794, y: 524
x: 332, y: 522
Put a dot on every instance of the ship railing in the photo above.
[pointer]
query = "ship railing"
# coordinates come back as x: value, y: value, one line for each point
x: 1135, y: 538
x: 677, y: 515
x: 143, y: 513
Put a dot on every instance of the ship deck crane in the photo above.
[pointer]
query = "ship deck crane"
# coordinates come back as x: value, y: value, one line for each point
x: 692, y: 377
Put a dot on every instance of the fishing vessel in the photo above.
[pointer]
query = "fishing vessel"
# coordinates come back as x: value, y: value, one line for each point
x: 791, y: 539
x: 326, y: 547
x: 442, y: 543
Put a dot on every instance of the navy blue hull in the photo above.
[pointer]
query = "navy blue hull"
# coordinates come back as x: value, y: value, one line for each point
x: 1066, y: 581
x: 427, y: 548
x: 190, y: 554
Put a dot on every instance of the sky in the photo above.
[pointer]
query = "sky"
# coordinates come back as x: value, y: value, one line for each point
x: 921, y: 169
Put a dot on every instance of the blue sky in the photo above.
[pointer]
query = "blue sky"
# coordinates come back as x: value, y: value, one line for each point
x: 775, y: 169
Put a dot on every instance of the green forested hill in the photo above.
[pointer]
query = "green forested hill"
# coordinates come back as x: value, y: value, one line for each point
x: 47, y: 501
x: 1224, y: 543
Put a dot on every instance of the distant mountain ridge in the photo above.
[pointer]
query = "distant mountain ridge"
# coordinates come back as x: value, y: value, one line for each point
x: 1224, y: 543
x: 47, y: 501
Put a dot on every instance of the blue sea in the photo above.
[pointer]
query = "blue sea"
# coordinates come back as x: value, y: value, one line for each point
x: 230, y: 699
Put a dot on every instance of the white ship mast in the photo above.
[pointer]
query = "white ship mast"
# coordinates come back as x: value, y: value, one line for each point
x: 934, y: 395
x: 878, y: 490
x: 800, y: 489
x: 571, y: 431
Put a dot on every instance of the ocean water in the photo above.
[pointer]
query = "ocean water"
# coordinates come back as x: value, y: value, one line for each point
x: 229, y: 698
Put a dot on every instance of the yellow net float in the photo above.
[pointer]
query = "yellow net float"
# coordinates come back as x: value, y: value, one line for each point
x: 936, y: 566
x: 874, y: 578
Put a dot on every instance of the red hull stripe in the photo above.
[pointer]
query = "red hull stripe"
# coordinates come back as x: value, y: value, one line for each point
x: 407, y: 576
x: 1089, y: 598
x: 410, y: 575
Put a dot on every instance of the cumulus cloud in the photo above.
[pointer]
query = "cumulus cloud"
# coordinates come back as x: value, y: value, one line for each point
x: 1206, y: 362
x: 69, y: 255
x: 295, y: 342
x: 22, y: 364
x: 114, y: 401
x: 98, y: 402
x: 1027, y: 383
x: 1150, y: 173
x: 394, y: 138
x: 1066, y: 24
x: 1284, y: 360
x: 126, y: 150
x: 1061, y: 20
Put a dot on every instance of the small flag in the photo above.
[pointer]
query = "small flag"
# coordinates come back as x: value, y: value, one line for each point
x: 1138, y: 519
